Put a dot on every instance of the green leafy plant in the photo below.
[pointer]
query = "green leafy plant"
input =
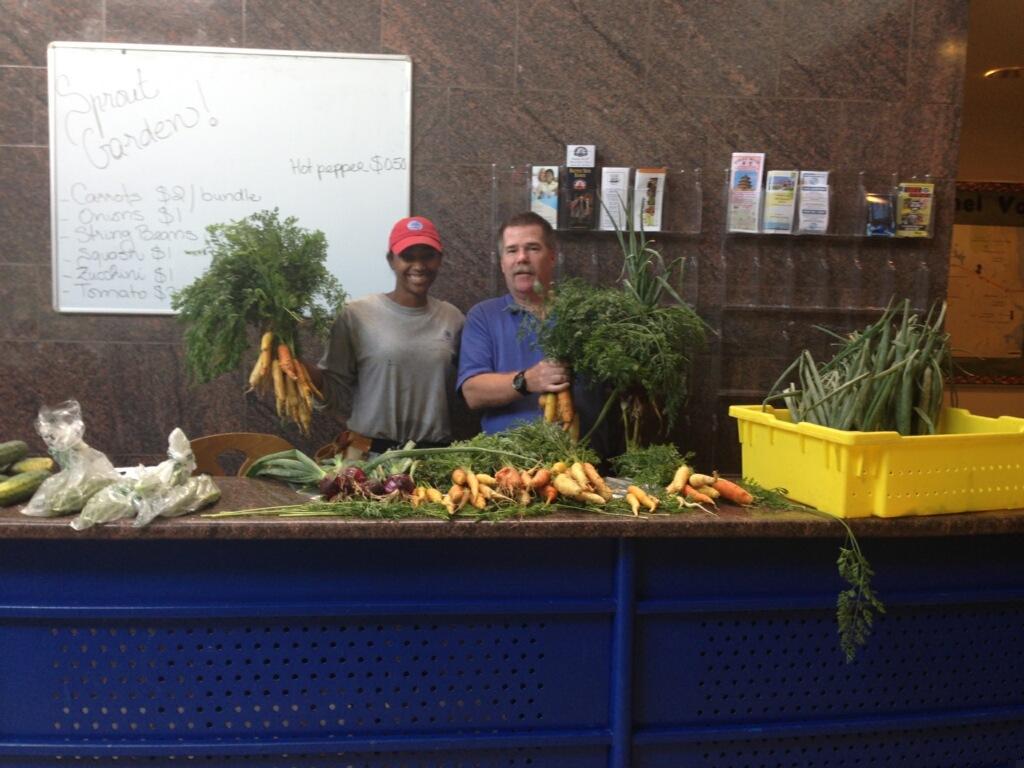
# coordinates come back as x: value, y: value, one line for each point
x: 637, y: 339
x: 265, y: 274
x: 652, y: 465
x: 857, y: 605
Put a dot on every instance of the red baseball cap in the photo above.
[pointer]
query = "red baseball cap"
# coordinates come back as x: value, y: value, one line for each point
x: 414, y: 230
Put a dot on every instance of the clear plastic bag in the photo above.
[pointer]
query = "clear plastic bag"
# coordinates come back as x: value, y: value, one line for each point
x: 84, y: 470
x: 166, y: 490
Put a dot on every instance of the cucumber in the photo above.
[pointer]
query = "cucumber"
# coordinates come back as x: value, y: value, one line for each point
x: 21, y: 487
x: 12, y: 451
x: 33, y: 464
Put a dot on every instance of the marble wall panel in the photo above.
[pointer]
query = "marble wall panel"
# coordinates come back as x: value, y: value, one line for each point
x: 697, y: 47
x: 452, y: 43
x: 28, y: 26
x: 938, y: 53
x: 21, y: 295
x: 24, y: 205
x: 430, y: 125
x: 835, y: 49
x: 22, y: 105
x: 183, y: 22
x: 578, y: 46
x: 349, y: 26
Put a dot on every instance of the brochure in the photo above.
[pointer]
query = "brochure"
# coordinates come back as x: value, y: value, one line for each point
x: 544, y: 192
x: 614, y: 193
x: 581, y: 194
x: 914, y: 208
x: 744, y: 213
x: 779, y: 201
x: 813, y: 203
x: 648, y: 196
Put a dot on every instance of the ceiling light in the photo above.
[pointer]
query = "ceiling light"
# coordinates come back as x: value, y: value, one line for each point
x: 1004, y: 72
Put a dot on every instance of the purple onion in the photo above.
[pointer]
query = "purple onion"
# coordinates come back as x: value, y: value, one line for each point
x: 372, y: 488
x: 400, y: 483
x: 355, y: 474
x: 329, y: 486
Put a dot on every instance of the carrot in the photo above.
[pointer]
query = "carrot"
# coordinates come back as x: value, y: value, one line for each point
x: 459, y: 476
x: 540, y: 478
x: 597, y: 481
x: 565, y: 408
x: 508, y: 479
x: 549, y: 402
x: 634, y: 504
x: 732, y: 492
x: 548, y: 492
x: 434, y: 495
x: 255, y: 377
x: 284, y: 357
x: 579, y: 474
x: 280, y: 393
x: 692, y: 494
x: 679, y: 480
x: 699, y: 481
x: 486, y: 480
x: 306, y: 381
x: 474, y: 486
x: 643, y: 497
x: 559, y: 467
x: 569, y: 488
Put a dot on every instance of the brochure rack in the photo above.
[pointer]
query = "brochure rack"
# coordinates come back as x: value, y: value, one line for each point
x: 861, y: 204
x: 512, y: 188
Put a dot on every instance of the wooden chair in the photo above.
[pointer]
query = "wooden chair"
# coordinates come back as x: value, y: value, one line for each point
x: 252, y: 445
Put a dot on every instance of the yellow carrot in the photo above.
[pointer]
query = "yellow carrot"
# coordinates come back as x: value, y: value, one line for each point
x: 642, y: 496
x: 680, y: 479
x: 280, y: 393
x: 550, y: 402
x: 634, y: 504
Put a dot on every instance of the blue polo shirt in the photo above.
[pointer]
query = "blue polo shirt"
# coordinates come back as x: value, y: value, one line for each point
x: 491, y: 344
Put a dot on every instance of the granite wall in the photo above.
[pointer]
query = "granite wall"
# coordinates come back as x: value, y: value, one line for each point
x: 873, y: 85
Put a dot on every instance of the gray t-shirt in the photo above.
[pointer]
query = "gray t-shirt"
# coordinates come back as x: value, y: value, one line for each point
x: 389, y: 370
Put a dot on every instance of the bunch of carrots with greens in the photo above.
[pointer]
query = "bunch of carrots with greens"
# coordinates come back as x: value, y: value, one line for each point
x: 267, y: 278
x: 278, y: 369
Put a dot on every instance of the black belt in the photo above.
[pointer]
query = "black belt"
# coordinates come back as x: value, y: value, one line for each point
x: 381, y: 444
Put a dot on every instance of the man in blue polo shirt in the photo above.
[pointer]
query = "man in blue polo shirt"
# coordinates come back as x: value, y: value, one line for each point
x: 502, y: 372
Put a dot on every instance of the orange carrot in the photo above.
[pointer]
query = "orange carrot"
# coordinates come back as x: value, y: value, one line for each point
x: 304, y: 376
x: 565, y: 408
x: 732, y: 492
x: 548, y: 492
x: 692, y: 494
x: 284, y: 357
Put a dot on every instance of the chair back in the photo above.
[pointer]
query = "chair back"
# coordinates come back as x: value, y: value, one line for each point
x: 209, y: 449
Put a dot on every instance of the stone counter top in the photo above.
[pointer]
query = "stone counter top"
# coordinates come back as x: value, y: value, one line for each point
x: 730, y: 522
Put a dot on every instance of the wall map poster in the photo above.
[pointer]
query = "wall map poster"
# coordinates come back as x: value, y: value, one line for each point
x: 986, y: 274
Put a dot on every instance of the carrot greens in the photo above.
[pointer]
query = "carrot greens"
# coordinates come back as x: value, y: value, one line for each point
x: 265, y: 274
x: 637, y: 339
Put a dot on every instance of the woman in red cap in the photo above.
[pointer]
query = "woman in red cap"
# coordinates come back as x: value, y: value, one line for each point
x: 389, y: 367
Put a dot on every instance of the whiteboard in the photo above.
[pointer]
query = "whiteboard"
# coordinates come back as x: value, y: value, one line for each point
x: 150, y: 144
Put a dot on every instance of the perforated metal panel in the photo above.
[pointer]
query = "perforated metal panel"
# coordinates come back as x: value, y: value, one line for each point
x: 505, y: 758
x: 286, y: 679
x: 756, y: 666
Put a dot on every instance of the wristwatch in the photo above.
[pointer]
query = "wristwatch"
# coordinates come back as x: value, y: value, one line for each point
x: 519, y: 383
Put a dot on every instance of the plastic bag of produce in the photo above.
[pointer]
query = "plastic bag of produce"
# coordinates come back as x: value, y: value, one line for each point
x: 84, y: 470
x: 166, y: 490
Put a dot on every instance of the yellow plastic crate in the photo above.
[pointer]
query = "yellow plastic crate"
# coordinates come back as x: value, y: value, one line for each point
x: 974, y: 463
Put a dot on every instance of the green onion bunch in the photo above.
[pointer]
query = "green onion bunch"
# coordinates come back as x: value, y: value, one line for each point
x: 887, y: 377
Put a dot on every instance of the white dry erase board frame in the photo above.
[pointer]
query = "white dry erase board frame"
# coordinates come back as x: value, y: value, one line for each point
x: 150, y: 144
